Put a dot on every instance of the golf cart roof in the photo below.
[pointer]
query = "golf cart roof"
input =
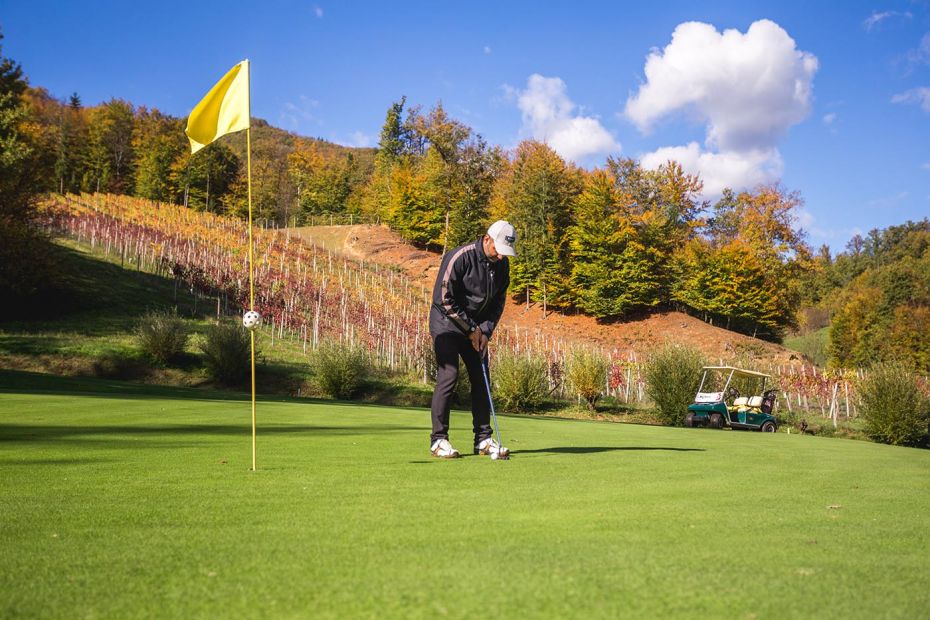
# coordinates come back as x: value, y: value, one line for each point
x: 739, y: 371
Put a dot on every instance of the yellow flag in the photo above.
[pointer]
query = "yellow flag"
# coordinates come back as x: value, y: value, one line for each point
x: 224, y: 110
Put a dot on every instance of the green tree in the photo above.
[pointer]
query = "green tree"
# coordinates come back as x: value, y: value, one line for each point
x: 70, y: 145
x: 611, y: 271
x: 393, y: 143
x: 203, y: 180
x: 536, y: 195
x: 25, y: 265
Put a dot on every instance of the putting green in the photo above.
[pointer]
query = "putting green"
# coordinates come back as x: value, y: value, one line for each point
x: 126, y: 501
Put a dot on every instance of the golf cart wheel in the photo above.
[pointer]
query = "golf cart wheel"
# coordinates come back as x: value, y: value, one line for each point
x: 769, y: 427
x: 689, y: 420
x: 716, y: 420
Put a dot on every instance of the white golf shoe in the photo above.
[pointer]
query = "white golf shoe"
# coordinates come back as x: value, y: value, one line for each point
x: 489, y: 447
x: 442, y: 449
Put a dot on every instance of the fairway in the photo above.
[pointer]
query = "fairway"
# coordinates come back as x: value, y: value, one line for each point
x: 137, y: 501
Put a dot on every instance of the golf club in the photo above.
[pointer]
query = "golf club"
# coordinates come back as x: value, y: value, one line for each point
x: 503, y: 453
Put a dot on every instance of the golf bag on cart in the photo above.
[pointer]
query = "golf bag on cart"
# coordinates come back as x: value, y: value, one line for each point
x: 768, y: 401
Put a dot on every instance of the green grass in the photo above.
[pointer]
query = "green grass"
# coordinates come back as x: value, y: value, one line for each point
x: 122, y: 500
x: 815, y: 345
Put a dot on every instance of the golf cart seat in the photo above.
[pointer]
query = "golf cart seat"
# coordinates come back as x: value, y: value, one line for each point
x: 755, y: 402
x: 739, y: 403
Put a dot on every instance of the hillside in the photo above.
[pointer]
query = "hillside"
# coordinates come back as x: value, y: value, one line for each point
x: 378, y: 244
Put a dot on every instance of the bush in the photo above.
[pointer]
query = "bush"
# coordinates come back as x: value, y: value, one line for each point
x: 226, y: 350
x: 520, y: 382
x: 340, y: 369
x: 162, y: 336
x: 672, y: 376
x: 586, y: 373
x: 894, y: 408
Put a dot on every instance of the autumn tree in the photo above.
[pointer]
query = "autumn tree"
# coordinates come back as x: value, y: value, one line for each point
x: 752, y: 242
x: 273, y: 191
x: 880, y: 315
x: 323, y: 183
x: 433, y: 177
x: 158, y: 141
x: 110, y: 157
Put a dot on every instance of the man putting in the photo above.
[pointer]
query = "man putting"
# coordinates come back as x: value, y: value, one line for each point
x: 468, y: 300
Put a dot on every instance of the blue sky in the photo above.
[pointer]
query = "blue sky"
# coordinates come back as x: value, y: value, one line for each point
x: 830, y: 98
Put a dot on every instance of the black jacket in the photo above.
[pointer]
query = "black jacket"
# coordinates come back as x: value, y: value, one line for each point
x: 470, y: 291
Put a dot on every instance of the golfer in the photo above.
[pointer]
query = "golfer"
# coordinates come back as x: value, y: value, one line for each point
x: 468, y: 300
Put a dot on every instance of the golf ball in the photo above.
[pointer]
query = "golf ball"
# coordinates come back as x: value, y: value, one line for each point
x: 494, y: 456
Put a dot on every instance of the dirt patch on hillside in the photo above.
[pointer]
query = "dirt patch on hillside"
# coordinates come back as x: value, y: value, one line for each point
x: 637, y: 337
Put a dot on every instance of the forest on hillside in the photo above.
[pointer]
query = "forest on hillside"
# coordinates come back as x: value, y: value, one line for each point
x: 612, y: 242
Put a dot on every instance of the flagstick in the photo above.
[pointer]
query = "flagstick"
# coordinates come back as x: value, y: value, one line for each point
x: 248, y: 150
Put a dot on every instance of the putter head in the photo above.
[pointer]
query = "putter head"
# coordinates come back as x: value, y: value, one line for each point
x: 503, y: 454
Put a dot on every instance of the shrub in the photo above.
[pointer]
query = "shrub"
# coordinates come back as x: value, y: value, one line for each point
x: 586, y: 373
x: 340, y: 369
x: 894, y: 408
x: 519, y: 382
x: 672, y: 376
x: 162, y: 336
x: 226, y: 350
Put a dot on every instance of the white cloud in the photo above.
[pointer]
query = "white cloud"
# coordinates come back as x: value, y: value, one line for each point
x: 819, y: 234
x: 736, y: 170
x: 749, y: 89
x: 829, y: 118
x: 889, y: 202
x: 550, y: 116
x: 915, y: 95
x: 358, y: 138
x: 923, y: 51
x: 318, y: 11
x: 294, y: 114
x: 876, y: 18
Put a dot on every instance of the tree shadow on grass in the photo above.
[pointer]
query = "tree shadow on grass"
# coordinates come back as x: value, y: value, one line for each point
x: 117, y: 434
x: 594, y: 449
x: 89, y: 284
x: 25, y: 382
x: 26, y: 462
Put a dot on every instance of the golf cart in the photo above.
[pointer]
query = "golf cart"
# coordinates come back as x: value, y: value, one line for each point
x: 720, y: 401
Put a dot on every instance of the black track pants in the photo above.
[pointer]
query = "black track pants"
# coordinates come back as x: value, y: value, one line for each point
x: 449, y: 347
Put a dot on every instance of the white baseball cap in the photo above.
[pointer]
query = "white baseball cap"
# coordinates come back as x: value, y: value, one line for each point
x: 504, y: 236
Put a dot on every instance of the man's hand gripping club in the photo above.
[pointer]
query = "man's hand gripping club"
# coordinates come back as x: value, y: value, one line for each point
x: 478, y: 340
